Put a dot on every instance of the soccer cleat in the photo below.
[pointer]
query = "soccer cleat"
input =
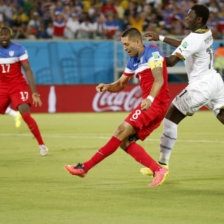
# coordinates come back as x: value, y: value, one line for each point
x: 77, y: 169
x: 147, y: 171
x: 43, y: 150
x: 159, y: 177
x: 18, y: 120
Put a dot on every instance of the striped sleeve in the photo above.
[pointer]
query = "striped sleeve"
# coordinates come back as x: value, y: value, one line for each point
x: 129, y: 69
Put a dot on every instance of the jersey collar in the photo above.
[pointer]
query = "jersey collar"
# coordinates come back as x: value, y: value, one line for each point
x: 201, y: 30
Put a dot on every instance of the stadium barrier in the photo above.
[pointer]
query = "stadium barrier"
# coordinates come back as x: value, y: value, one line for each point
x: 84, y: 62
x: 84, y: 98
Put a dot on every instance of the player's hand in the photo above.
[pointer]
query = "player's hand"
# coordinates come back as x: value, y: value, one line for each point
x: 36, y: 99
x: 151, y: 36
x: 146, y: 103
x: 102, y: 87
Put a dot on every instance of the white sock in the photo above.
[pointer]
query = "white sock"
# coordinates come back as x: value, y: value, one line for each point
x: 11, y: 112
x: 167, y: 140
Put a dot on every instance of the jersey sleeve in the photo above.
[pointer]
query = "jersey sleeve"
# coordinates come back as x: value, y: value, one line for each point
x: 155, y: 58
x: 23, y: 55
x: 188, y: 46
x: 129, y: 68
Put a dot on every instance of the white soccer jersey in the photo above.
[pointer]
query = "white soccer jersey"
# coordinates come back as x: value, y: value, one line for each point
x: 196, y: 50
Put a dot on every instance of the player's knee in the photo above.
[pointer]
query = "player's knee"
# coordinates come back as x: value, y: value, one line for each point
x: 124, y: 145
x: 120, y: 130
x: 24, y: 108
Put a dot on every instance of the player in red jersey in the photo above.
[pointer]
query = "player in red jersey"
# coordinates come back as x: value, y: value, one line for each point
x: 13, y: 86
x: 149, y: 66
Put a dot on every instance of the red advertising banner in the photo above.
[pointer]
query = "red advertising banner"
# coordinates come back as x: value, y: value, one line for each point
x: 84, y: 98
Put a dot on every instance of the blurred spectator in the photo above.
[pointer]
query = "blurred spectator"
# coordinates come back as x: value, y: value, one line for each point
x: 58, y: 8
x: 58, y: 25
x: 47, y: 7
x: 20, y: 32
x: 31, y: 32
x: 66, y: 12
x: 120, y: 10
x: 50, y: 30
x: 162, y: 28
x: 35, y: 20
x: 100, y: 28
x: 10, y: 9
x: 109, y: 8
x: 137, y: 21
x: 177, y: 28
x: 42, y: 32
x: 86, y: 5
x: 167, y: 14
x: 72, y: 26
x: 150, y: 27
x: 111, y: 26
x: 131, y: 10
x: 27, y: 5
x: 20, y: 17
x: 86, y: 30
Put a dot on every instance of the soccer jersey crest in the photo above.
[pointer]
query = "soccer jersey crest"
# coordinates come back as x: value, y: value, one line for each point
x: 11, y: 53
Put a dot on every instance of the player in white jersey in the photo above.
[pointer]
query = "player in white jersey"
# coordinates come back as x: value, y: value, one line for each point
x: 205, y: 88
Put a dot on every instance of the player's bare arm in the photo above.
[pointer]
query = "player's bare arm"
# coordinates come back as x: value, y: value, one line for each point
x: 30, y: 77
x: 171, y: 60
x: 116, y: 86
x: 157, y: 84
x: 151, y: 36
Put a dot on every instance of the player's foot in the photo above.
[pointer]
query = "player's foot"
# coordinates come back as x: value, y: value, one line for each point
x: 43, y: 150
x: 148, y: 172
x: 77, y: 169
x: 18, y: 120
x: 159, y: 177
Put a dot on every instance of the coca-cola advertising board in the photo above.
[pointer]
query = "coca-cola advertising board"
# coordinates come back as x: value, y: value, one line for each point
x: 84, y: 98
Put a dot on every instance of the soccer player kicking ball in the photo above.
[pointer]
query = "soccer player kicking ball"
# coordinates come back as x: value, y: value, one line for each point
x: 149, y: 66
x: 13, y: 86
x: 205, y: 87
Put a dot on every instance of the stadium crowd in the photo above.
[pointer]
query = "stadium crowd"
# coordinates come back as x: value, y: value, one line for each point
x: 101, y: 19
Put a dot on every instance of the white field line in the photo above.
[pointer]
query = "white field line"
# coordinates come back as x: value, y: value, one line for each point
x: 105, y: 137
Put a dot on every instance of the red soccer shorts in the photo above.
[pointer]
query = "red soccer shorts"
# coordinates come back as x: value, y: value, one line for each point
x: 144, y: 122
x: 14, y: 93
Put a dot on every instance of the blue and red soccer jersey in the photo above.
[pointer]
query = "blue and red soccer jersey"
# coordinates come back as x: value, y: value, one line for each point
x: 142, y: 67
x: 146, y: 121
x: 13, y: 86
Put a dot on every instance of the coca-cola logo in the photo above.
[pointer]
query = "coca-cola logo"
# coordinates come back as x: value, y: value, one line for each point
x: 120, y: 101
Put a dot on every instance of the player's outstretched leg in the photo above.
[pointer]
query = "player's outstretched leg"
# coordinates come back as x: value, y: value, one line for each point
x: 31, y: 123
x: 77, y: 169
x: 81, y: 169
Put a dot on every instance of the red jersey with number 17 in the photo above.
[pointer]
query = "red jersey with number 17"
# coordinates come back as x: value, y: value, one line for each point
x: 10, y: 63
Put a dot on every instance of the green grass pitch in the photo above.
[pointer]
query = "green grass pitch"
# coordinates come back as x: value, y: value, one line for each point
x: 38, y: 190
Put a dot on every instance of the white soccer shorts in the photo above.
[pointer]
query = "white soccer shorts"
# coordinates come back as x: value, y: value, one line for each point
x: 207, y: 91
